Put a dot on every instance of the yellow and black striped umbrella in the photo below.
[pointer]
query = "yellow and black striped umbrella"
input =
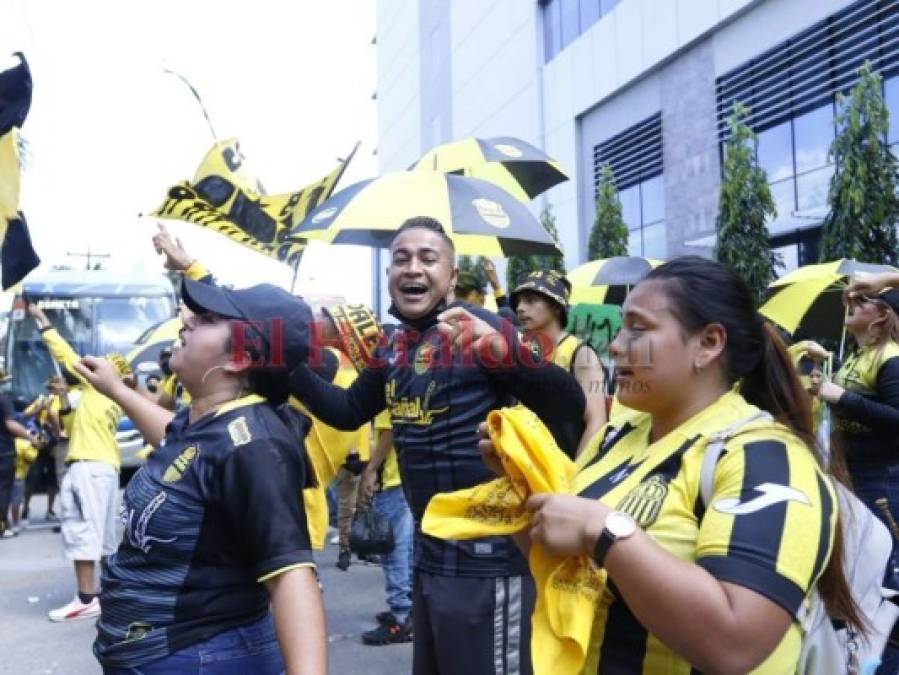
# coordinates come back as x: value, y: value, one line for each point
x: 516, y: 166
x: 607, y: 281
x: 808, y: 302
x: 480, y: 217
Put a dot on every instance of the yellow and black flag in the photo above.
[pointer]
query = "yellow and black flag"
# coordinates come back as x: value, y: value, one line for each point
x: 17, y: 255
x: 225, y: 197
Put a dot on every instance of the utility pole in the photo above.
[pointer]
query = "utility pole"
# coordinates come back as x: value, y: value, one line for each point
x: 88, y: 256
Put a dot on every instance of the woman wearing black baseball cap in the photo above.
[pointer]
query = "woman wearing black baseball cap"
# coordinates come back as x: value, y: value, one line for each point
x: 215, y: 528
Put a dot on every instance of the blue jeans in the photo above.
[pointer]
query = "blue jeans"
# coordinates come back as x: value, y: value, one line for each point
x: 870, y: 484
x: 391, y: 503
x: 247, y: 649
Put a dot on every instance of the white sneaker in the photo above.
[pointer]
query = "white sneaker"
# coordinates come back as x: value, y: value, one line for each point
x: 9, y: 533
x: 75, y: 610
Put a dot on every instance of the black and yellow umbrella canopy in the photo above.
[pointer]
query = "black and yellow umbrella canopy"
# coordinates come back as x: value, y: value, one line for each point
x: 480, y: 217
x: 516, y: 166
x: 607, y: 281
x: 808, y: 302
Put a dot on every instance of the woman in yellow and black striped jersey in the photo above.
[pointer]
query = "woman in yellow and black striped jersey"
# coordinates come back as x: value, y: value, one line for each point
x: 715, y: 586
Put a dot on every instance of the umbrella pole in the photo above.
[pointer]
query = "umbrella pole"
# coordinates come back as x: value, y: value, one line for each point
x: 843, y: 335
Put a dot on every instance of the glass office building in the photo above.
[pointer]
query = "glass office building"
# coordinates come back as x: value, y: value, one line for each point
x: 646, y: 86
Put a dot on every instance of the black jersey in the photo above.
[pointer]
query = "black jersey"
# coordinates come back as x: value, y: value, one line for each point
x: 436, y: 399
x: 215, y: 512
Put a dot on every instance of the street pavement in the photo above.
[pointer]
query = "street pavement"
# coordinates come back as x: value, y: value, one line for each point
x: 35, y: 578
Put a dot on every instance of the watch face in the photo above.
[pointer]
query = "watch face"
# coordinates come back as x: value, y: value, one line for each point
x: 620, y: 524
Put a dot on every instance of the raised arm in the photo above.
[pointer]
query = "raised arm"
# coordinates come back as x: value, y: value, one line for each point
x: 345, y: 409
x: 60, y: 350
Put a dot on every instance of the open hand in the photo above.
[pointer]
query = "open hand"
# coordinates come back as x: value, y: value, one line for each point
x: 176, y: 257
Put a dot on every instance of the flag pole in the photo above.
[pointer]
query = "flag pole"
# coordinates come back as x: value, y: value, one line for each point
x: 296, y: 269
x: 196, y: 96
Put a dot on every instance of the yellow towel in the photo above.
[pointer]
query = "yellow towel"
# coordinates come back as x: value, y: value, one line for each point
x: 568, y: 589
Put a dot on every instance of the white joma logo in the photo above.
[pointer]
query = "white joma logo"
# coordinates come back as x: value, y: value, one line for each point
x: 771, y: 493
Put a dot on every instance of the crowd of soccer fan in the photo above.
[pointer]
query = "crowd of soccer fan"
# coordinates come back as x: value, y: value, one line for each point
x: 638, y: 555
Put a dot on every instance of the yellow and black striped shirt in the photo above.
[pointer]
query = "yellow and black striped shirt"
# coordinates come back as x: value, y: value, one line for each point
x: 769, y: 526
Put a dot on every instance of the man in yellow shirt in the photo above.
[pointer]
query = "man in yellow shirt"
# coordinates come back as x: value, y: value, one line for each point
x: 541, y: 303
x: 89, y: 491
x: 26, y: 453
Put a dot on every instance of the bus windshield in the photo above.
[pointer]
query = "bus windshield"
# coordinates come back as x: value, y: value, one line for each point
x: 121, y: 321
x: 91, y: 325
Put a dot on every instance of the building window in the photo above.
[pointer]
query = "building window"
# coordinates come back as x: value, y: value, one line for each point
x: 792, y: 92
x: 565, y: 20
x: 643, y: 211
x: 635, y: 156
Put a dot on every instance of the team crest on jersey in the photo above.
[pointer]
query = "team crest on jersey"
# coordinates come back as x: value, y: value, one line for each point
x: 424, y: 357
x: 239, y: 431
x: 645, y: 501
x: 178, y: 468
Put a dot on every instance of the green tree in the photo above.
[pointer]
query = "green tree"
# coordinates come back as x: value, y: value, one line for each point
x: 744, y: 204
x: 520, y: 266
x: 474, y: 266
x: 864, y: 208
x: 609, y: 234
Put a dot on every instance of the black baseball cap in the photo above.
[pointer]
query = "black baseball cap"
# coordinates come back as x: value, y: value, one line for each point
x: 281, y: 320
x: 548, y: 283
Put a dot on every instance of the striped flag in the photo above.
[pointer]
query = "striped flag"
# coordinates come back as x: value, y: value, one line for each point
x: 17, y: 255
x: 226, y: 197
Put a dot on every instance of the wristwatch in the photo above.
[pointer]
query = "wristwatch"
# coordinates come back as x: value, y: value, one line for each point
x: 618, y: 525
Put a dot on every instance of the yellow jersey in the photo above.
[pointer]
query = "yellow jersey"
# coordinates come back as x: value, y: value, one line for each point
x: 327, y: 449
x: 95, y: 419
x: 176, y: 391
x: 777, y: 547
x: 26, y: 453
x: 390, y: 470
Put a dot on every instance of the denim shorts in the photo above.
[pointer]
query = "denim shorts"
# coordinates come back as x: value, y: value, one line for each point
x: 247, y: 649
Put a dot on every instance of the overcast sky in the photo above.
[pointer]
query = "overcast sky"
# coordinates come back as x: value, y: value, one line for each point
x: 109, y: 131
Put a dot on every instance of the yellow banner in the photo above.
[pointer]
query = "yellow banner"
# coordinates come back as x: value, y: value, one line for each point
x: 9, y: 179
x: 224, y: 197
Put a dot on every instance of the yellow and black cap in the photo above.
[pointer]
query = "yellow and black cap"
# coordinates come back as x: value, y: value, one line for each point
x: 548, y: 283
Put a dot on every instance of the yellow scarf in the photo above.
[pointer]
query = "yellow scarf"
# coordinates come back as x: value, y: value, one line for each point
x: 568, y: 589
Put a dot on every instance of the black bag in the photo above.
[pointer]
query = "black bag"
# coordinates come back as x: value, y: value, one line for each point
x: 370, y: 533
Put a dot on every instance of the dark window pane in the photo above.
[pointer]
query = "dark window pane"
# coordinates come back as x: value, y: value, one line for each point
x: 891, y: 97
x: 608, y: 5
x: 775, y: 150
x: 589, y: 13
x: 630, y: 206
x: 653, y: 194
x: 812, y: 188
x: 551, y: 28
x: 655, y: 240
x: 570, y: 25
x: 813, y: 134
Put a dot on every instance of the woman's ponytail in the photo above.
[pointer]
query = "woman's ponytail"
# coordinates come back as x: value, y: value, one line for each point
x: 773, y: 385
